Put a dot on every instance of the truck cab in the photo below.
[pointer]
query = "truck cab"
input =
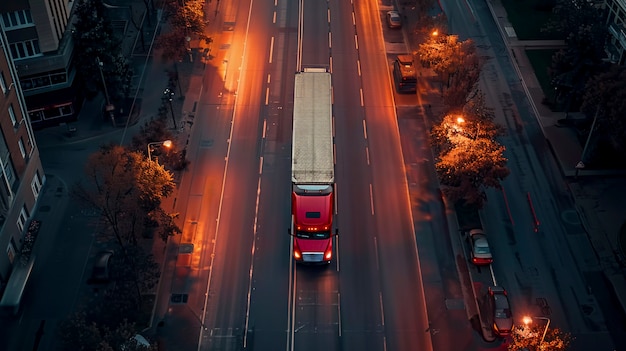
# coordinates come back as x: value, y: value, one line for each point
x: 312, y: 223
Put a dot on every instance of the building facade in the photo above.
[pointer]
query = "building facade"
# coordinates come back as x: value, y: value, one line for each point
x: 41, y: 45
x: 21, y: 176
x: 616, y: 45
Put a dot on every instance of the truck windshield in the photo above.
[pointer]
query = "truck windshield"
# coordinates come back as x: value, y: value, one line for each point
x: 312, y: 235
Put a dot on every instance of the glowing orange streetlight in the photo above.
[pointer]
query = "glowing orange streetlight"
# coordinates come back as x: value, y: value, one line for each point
x: 166, y: 143
x: 435, y: 33
x: 527, y: 320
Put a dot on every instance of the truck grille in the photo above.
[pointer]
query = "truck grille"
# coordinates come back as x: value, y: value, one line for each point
x: 312, y: 256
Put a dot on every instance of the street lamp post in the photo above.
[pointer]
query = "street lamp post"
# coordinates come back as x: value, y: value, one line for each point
x: 581, y: 164
x: 169, y: 95
x: 166, y: 143
x: 527, y: 320
x: 109, y: 107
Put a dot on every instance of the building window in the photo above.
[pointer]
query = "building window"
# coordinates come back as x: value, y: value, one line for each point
x: 9, y: 173
x: 36, y: 184
x: 12, y: 115
x: 22, y: 219
x: 11, y: 251
x: 16, y: 19
x: 25, y: 49
x: 3, y: 83
x: 20, y: 143
x: 57, y: 77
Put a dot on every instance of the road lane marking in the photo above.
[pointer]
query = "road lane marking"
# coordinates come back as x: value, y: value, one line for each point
x: 382, y: 310
x: 372, y: 199
x: 271, y: 47
x: 367, y: 155
x: 376, y: 252
x: 264, y: 128
x: 364, y: 130
x: 339, y: 311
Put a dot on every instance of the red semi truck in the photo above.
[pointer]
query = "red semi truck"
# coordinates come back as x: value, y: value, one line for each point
x: 312, y: 168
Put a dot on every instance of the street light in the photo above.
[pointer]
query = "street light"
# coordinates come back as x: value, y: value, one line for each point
x: 169, y: 95
x: 166, y: 143
x: 527, y: 320
x: 109, y: 107
x: 581, y: 164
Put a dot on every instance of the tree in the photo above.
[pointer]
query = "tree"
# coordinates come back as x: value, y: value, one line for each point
x: 80, y: 334
x: 173, y: 158
x: 527, y: 337
x: 94, y: 40
x: 127, y: 188
x: 455, y: 62
x: 583, y: 26
x: 185, y: 20
x: 463, y: 79
x: 605, y: 94
x: 468, y: 157
x: 135, y: 275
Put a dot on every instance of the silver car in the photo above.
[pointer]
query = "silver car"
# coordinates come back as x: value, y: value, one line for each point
x: 481, y: 253
x: 393, y: 19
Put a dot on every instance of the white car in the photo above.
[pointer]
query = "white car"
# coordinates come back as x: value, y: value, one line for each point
x: 393, y: 19
x: 481, y: 253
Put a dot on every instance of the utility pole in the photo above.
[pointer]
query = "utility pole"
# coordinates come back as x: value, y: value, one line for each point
x: 169, y: 96
x: 109, y: 107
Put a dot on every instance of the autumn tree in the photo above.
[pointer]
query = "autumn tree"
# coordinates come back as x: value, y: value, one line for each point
x: 528, y: 336
x: 127, y: 188
x: 469, y: 159
x: 455, y: 62
x: 94, y: 41
x: 185, y: 19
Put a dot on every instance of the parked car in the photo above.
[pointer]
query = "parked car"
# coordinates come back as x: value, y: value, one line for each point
x: 100, y: 272
x: 393, y: 19
x: 501, y: 311
x: 405, y: 74
x: 481, y: 254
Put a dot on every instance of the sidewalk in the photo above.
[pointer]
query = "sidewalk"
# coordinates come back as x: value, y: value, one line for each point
x: 598, y: 194
x: 151, y: 78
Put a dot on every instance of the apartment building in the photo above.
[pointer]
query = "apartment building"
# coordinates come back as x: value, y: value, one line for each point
x: 616, y: 45
x: 21, y: 176
x: 40, y: 43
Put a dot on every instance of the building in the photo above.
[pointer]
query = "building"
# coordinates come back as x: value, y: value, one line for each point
x: 616, y: 44
x: 22, y: 176
x: 41, y: 45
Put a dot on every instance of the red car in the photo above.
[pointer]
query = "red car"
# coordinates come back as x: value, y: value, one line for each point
x: 501, y: 311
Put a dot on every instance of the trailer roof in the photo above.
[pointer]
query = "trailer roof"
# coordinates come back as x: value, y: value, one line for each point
x: 312, y: 159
